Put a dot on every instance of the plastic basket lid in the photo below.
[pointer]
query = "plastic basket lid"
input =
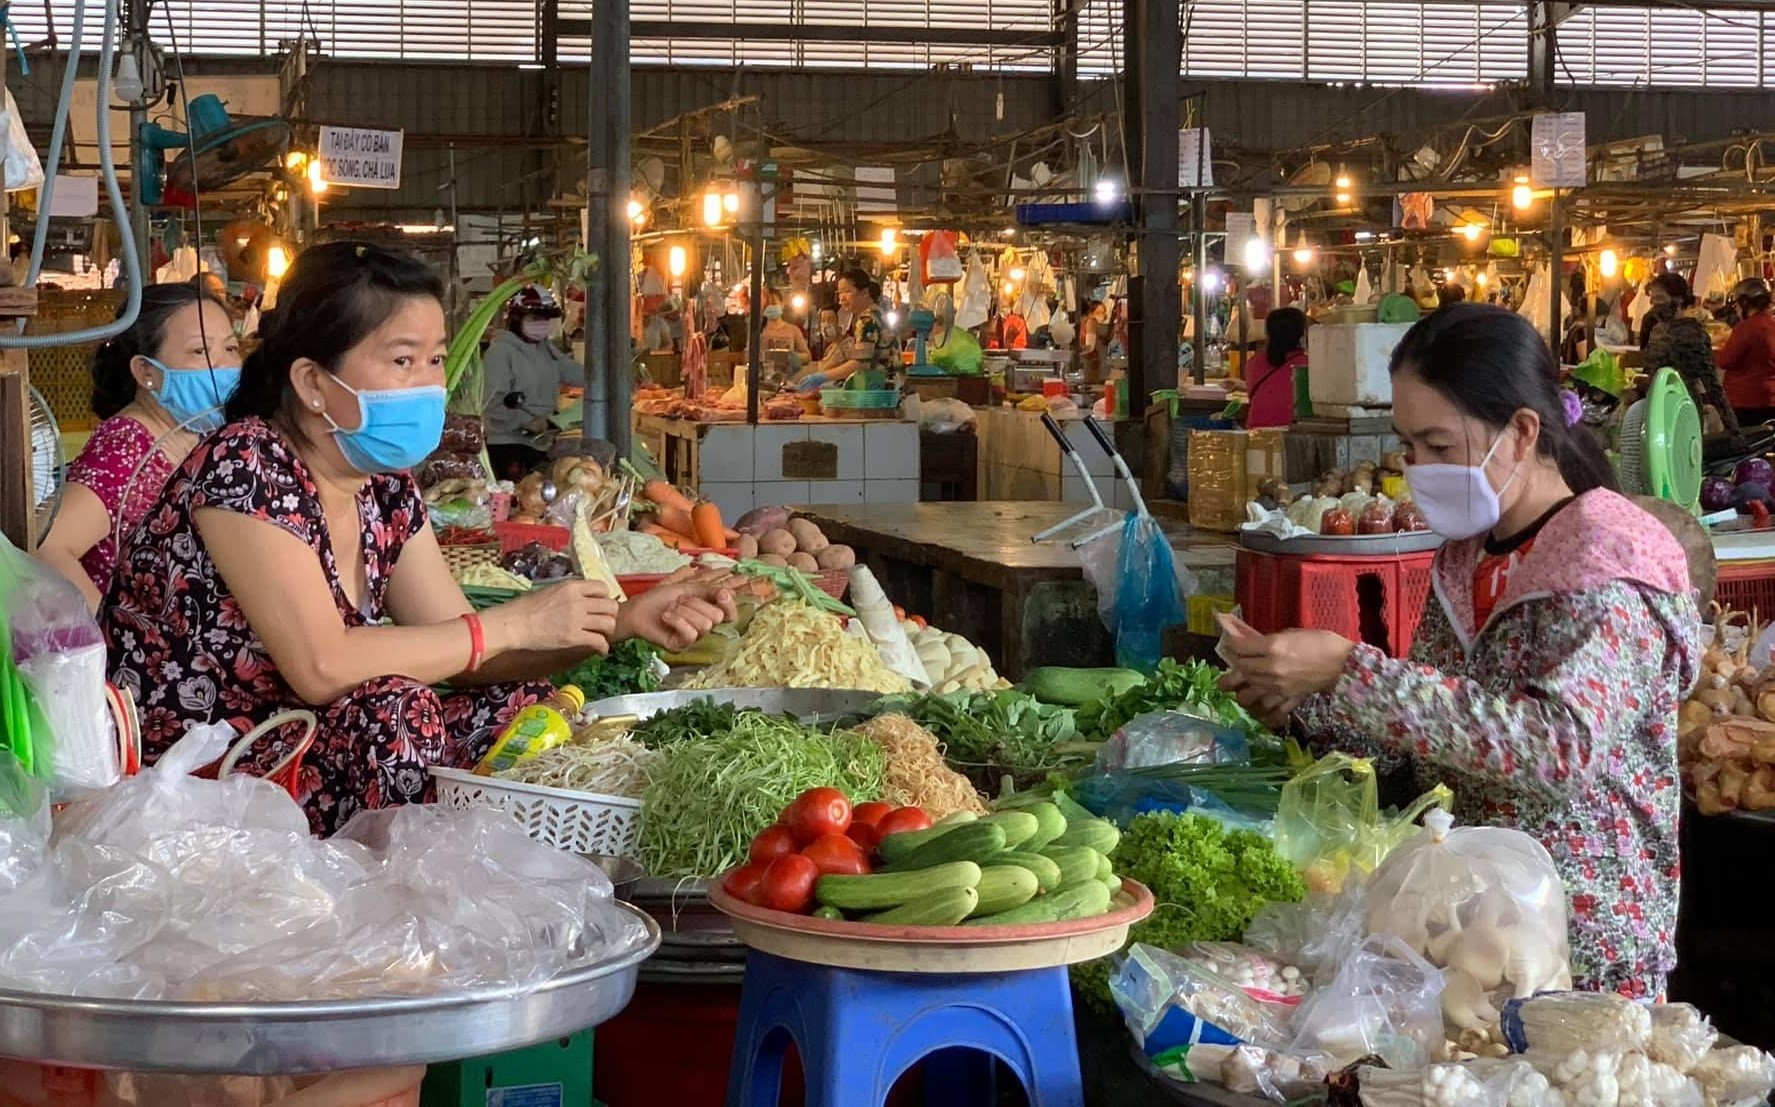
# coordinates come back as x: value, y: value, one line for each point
x: 1630, y: 462
x: 1672, y: 456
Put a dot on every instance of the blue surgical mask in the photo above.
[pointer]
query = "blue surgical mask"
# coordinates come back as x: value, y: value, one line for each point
x: 194, y: 397
x: 773, y: 313
x: 397, y: 427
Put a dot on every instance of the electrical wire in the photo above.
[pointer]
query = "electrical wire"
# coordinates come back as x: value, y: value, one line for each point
x: 132, y: 261
x: 172, y: 34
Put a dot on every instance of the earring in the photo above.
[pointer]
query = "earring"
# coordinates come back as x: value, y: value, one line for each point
x: 317, y: 404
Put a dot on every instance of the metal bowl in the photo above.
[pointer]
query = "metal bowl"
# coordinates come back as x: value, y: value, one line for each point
x: 266, y: 1039
x: 624, y: 872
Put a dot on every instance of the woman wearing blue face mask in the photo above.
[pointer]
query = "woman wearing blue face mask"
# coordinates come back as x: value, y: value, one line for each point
x: 289, y: 562
x: 158, y: 386
x: 1561, y: 638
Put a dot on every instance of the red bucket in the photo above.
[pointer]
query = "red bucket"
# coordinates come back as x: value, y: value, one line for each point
x: 286, y: 774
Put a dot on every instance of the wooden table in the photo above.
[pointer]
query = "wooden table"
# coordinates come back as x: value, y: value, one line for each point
x: 970, y: 568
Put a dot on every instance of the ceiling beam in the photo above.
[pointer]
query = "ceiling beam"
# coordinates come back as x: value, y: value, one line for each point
x: 825, y: 32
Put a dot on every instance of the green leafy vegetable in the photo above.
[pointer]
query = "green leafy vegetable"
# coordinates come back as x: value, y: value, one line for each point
x: 988, y: 733
x: 712, y: 796
x: 702, y: 718
x: 627, y: 669
x: 1192, y: 683
x: 1207, y: 881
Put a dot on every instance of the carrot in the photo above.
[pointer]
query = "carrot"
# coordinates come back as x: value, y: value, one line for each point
x: 670, y: 537
x: 705, y: 522
x: 661, y: 494
x: 678, y: 519
x: 730, y: 535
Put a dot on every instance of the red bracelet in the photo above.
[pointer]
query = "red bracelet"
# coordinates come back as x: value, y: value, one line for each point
x: 477, y: 642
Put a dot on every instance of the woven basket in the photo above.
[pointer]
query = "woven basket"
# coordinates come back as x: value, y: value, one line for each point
x: 578, y: 822
x: 64, y: 373
x: 460, y: 559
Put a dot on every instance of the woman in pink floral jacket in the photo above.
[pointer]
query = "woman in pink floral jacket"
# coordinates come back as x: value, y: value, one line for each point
x: 1545, y: 678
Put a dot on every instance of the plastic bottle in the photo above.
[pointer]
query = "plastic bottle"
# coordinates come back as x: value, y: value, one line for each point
x: 538, y: 727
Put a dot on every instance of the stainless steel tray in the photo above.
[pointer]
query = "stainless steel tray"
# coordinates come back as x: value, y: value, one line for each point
x: 265, y: 1039
x: 802, y: 703
x: 1330, y: 545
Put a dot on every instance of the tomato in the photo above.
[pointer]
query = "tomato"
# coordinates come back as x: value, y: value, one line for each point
x: 818, y: 811
x: 867, y: 837
x: 772, y: 842
x: 744, y: 882
x: 835, y: 853
x: 789, y: 884
x: 904, y: 818
x: 869, y: 813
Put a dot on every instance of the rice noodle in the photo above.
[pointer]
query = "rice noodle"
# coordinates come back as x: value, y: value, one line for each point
x: 618, y: 766
x: 917, y: 775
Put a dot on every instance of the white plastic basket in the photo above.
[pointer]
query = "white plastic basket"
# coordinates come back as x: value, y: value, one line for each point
x: 578, y: 822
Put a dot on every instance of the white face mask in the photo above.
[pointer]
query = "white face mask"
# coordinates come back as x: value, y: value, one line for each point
x: 538, y: 330
x: 1457, y: 500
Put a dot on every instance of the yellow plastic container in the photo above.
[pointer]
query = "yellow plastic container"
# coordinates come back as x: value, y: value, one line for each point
x: 539, y: 727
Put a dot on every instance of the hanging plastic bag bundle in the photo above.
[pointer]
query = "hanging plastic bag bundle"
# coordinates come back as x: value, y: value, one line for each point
x: 60, y: 655
x: 1140, y: 589
x: 1485, y: 904
x: 1330, y: 823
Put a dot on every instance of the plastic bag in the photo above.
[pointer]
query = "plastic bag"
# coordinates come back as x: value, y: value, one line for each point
x: 1385, y: 1001
x: 1262, y: 977
x: 1444, y: 1085
x: 1681, y: 1036
x: 1643, y: 1082
x: 945, y: 415
x: 1329, y: 822
x: 24, y: 824
x: 60, y: 653
x: 1736, y: 1075
x: 1140, y: 588
x: 975, y: 305
x: 940, y: 260
x: 1484, y: 903
x: 1563, y: 1022
x: 960, y: 353
x: 1168, y: 1000
x: 23, y: 168
x: 1180, y: 737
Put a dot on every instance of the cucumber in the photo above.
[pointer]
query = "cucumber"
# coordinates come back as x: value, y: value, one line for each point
x: 878, y: 891
x: 896, y: 846
x: 1113, y: 883
x: 1077, y: 687
x: 1070, y: 808
x: 967, y: 842
x: 1003, y: 887
x: 832, y: 913
x: 1038, y: 910
x: 1046, y: 872
x: 1081, y: 901
x: 956, y: 818
x: 1105, y: 870
x: 1018, y: 801
x: 1100, y: 834
x: 1050, y: 824
x: 1019, y: 826
x: 941, y: 908
x: 1076, y: 863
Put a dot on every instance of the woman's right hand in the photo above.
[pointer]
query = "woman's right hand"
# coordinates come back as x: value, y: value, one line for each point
x: 574, y: 614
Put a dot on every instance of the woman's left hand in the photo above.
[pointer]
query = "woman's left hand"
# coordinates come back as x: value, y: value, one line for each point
x: 1273, y: 669
x: 676, y: 614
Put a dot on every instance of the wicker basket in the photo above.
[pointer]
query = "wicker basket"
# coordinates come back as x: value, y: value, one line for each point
x: 578, y: 822
x: 462, y: 558
x: 64, y: 373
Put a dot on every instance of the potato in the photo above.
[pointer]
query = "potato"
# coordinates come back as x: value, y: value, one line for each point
x: 836, y: 557
x: 748, y: 546
x: 808, y: 538
x: 779, y: 542
x: 803, y: 561
x: 778, y: 560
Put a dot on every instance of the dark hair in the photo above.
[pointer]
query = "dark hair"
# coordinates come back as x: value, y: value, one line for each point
x: 1283, y: 328
x: 1450, y: 293
x: 1491, y: 363
x: 1753, y: 294
x: 332, y: 298
x: 862, y: 282
x: 113, y: 385
x: 1674, y: 286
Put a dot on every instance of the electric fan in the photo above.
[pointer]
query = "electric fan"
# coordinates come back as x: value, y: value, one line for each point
x: 219, y: 151
x: 1660, y: 444
x: 48, y: 465
x: 926, y: 324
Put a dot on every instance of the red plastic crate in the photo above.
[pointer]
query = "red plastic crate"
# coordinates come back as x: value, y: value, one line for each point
x: 1747, y: 586
x: 515, y: 536
x: 1378, y: 600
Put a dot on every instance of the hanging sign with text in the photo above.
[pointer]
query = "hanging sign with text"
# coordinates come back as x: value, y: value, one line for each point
x: 356, y: 157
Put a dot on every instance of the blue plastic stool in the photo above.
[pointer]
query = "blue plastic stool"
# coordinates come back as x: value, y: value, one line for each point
x: 858, y: 1031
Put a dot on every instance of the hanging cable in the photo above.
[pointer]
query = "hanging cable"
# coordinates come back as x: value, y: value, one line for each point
x: 132, y: 261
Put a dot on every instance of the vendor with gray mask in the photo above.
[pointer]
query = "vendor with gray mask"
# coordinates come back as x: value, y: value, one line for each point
x: 525, y: 371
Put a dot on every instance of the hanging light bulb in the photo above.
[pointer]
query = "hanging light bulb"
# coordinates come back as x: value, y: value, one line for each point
x: 1257, y: 255
x: 1522, y: 197
x: 1106, y: 190
x: 1343, y: 181
x: 798, y: 302
x: 1472, y: 231
x: 731, y: 201
x: 1343, y: 199
x: 1303, y: 250
x: 1670, y: 249
x: 295, y: 160
x: 277, y: 262
x: 676, y: 261
x: 712, y: 208
x: 1018, y: 274
x: 1608, y: 264
x: 637, y: 212
x: 890, y: 241
x: 1480, y: 279
x: 317, y: 184
x: 1210, y: 280
x: 128, y: 84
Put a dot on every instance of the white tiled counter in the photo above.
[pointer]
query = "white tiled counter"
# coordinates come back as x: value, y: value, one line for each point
x: 1019, y: 460
x: 814, y: 460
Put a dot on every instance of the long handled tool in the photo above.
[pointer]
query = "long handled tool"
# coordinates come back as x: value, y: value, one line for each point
x: 1078, y: 463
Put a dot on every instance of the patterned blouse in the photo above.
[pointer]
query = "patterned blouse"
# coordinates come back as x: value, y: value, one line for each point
x: 123, y: 469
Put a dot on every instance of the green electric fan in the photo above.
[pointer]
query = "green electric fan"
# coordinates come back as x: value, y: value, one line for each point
x: 1659, y: 451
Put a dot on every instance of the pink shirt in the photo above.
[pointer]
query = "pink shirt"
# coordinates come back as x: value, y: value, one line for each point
x: 108, y: 467
x: 1271, y: 390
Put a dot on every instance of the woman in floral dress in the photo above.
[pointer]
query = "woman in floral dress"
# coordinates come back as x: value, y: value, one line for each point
x: 158, y: 386
x: 1544, y: 681
x: 289, y: 562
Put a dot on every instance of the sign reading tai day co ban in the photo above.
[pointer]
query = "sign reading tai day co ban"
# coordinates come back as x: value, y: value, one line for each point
x: 356, y: 157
